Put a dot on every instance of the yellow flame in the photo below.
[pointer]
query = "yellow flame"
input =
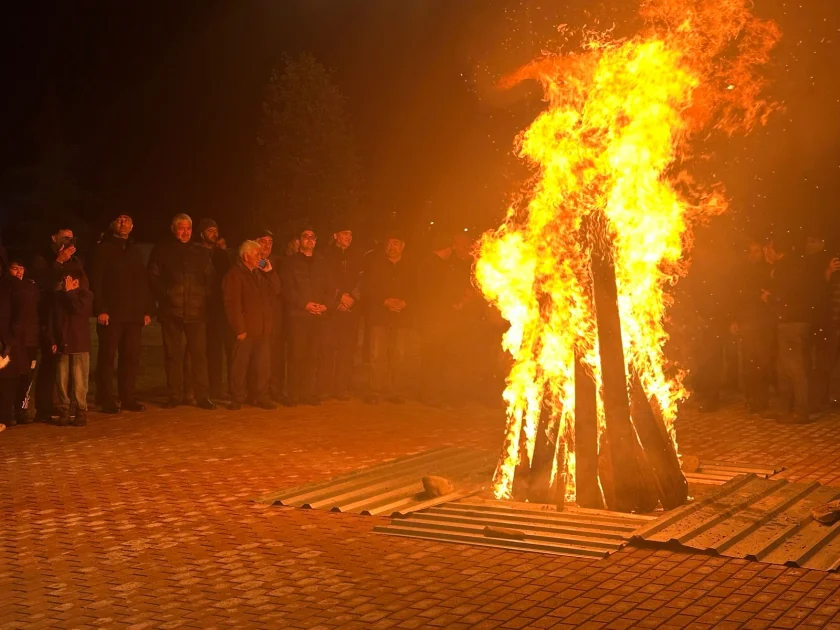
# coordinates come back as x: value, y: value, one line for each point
x: 616, y: 129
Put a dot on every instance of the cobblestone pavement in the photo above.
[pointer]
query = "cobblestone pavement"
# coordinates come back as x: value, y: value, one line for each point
x: 144, y: 521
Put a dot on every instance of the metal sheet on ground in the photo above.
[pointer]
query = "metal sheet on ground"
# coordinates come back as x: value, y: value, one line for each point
x: 521, y: 526
x: 718, y: 473
x: 761, y: 519
x: 393, y: 487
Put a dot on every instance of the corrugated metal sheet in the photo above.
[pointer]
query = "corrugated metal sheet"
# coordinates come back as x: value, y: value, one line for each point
x: 718, y: 473
x: 521, y: 526
x: 394, y: 487
x: 768, y: 520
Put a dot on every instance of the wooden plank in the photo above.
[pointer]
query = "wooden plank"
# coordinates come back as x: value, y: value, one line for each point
x: 586, y: 439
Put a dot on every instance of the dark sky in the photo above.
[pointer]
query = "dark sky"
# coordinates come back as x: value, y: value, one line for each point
x: 160, y: 100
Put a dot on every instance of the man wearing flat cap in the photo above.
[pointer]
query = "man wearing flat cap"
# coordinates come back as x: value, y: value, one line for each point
x: 122, y: 304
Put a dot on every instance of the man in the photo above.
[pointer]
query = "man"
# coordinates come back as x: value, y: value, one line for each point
x: 828, y: 338
x: 48, y: 269
x: 123, y: 305
x: 12, y: 353
x: 439, y: 299
x: 219, y: 335
x: 250, y: 296
x: 341, y: 329
x: 277, y: 380
x: 388, y: 288
x: 28, y: 313
x: 306, y: 293
x: 181, y: 278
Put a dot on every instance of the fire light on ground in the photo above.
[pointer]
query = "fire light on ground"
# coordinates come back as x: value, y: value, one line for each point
x: 613, y: 149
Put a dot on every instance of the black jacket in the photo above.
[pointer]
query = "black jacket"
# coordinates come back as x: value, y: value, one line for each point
x: 11, y: 328
x: 181, y: 277
x: 250, y: 298
x: 29, y: 299
x: 70, y: 320
x: 385, y: 279
x: 345, y: 271
x: 119, y: 281
x: 306, y: 279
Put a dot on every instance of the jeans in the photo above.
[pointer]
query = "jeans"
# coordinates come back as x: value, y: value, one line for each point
x: 388, y: 350
x: 73, y: 369
x: 794, y: 343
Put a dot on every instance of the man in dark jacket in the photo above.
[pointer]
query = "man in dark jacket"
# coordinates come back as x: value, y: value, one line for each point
x: 12, y: 351
x: 389, y: 288
x: 123, y: 305
x: 29, y: 298
x: 219, y: 336
x: 307, y: 294
x: 250, y: 295
x: 181, y: 278
x: 279, y: 336
x: 341, y: 328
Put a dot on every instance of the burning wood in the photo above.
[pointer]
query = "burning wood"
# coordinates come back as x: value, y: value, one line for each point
x: 581, y: 265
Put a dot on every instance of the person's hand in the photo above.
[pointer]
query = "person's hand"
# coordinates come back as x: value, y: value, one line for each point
x: 313, y: 308
x: 833, y: 267
x: 347, y: 302
x: 70, y: 284
x: 147, y: 319
x: 765, y: 295
x: 267, y: 267
x: 392, y: 304
x: 102, y: 319
x: 65, y: 254
x: 54, y: 349
x: 342, y: 308
x: 241, y: 336
x: 221, y: 243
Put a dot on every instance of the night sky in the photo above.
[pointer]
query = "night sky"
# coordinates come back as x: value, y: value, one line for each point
x: 157, y: 103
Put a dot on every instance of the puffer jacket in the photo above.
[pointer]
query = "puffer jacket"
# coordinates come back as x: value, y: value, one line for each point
x: 181, y: 277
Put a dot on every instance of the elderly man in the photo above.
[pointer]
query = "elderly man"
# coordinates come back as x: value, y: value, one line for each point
x: 181, y: 277
x: 250, y: 291
x: 122, y: 304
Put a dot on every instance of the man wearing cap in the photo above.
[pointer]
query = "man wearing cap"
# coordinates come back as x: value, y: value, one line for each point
x: 388, y: 287
x: 341, y: 330
x: 122, y: 304
x: 279, y: 336
x: 219, y: 334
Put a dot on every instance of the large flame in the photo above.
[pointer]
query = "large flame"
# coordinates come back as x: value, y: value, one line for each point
x: 613, y: 143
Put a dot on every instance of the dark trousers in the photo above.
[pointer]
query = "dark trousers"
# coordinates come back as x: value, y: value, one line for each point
x: 794, y: 348
x: 338, y: 350
x: 304, y: 342
x: 757, y: 350
x: 173, y: 351
x: 25, y: 384
x: 436, y: 362
x: 388, y: 352
x: 8, y: 399
x: 709, y: 366
x: 828, y: 353
x: 220, y: 341
x: 250, y: 365
x: 123, y: 338
x: 45, y: 397
x: 279, y: 357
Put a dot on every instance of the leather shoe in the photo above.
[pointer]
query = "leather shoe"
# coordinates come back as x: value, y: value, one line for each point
x: 290, y: 402
x: 266, y: 404
x: 234, y: 406
x: 110, y: 409
x: 133, y: 406
x: 171, y: 403
x: 372, y: 400
x: 314, y: 401
x: 205, y: 403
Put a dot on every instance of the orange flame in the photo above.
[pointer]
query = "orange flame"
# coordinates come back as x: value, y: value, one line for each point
x: 612, y: 142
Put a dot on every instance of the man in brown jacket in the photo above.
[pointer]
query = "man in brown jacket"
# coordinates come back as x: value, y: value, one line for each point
x: 250, y: 293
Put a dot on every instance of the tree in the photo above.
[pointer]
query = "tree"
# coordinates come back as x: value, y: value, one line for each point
x: 307, y: 164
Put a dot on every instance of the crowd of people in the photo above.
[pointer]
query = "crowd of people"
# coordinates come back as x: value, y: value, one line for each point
x: 261, y: 327
x: 251, y: 326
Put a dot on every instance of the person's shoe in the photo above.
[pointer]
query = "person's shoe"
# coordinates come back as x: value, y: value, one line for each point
x: 11, y: 422
x: 290, y: 402
x: 171, y: 403
x: 133, y: 406
x: 80, y: 419
x: 24, y: 418
x: 798, y: 418
x: 234, y: 406
x: 372, y: 399
x: 266, y: 404
x: 63, y: 418
x: 110, y: 408
x: 342, y: 396
x: 397, y: 400
x: 190, y: 401
x: 313, y: 401
x: 205, y: 403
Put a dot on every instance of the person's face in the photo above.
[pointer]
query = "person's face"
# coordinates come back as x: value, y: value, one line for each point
x: 343, y: 238
x: 62, y: 238
x: 394, y: 247
x: 123, y: 225
x: 182, y: 231
x: 252, y: 257
x: 814, y: 245
x: 17, y: 270
x: 266, y: 244
x: 210, y: 235
x: 307, y: 241
x: 754, y: 253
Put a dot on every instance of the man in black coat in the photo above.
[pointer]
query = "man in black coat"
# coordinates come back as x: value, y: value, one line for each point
x: 12, y: 350
x: 28, y: 311
x: 123, y: 305
x: 181, y: 278
x: 341, y: 328
x: 307, y: 295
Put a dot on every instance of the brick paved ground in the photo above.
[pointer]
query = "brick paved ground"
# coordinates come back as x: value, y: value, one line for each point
x: 145, y: 521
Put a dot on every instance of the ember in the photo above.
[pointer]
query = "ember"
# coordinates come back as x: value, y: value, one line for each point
x: 581, y: 264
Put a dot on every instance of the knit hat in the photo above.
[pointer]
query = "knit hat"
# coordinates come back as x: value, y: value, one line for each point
x: 264, y: 233
x: 206, y: 224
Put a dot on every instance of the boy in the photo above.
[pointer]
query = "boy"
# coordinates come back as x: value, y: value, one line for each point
x: 71, y: 310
